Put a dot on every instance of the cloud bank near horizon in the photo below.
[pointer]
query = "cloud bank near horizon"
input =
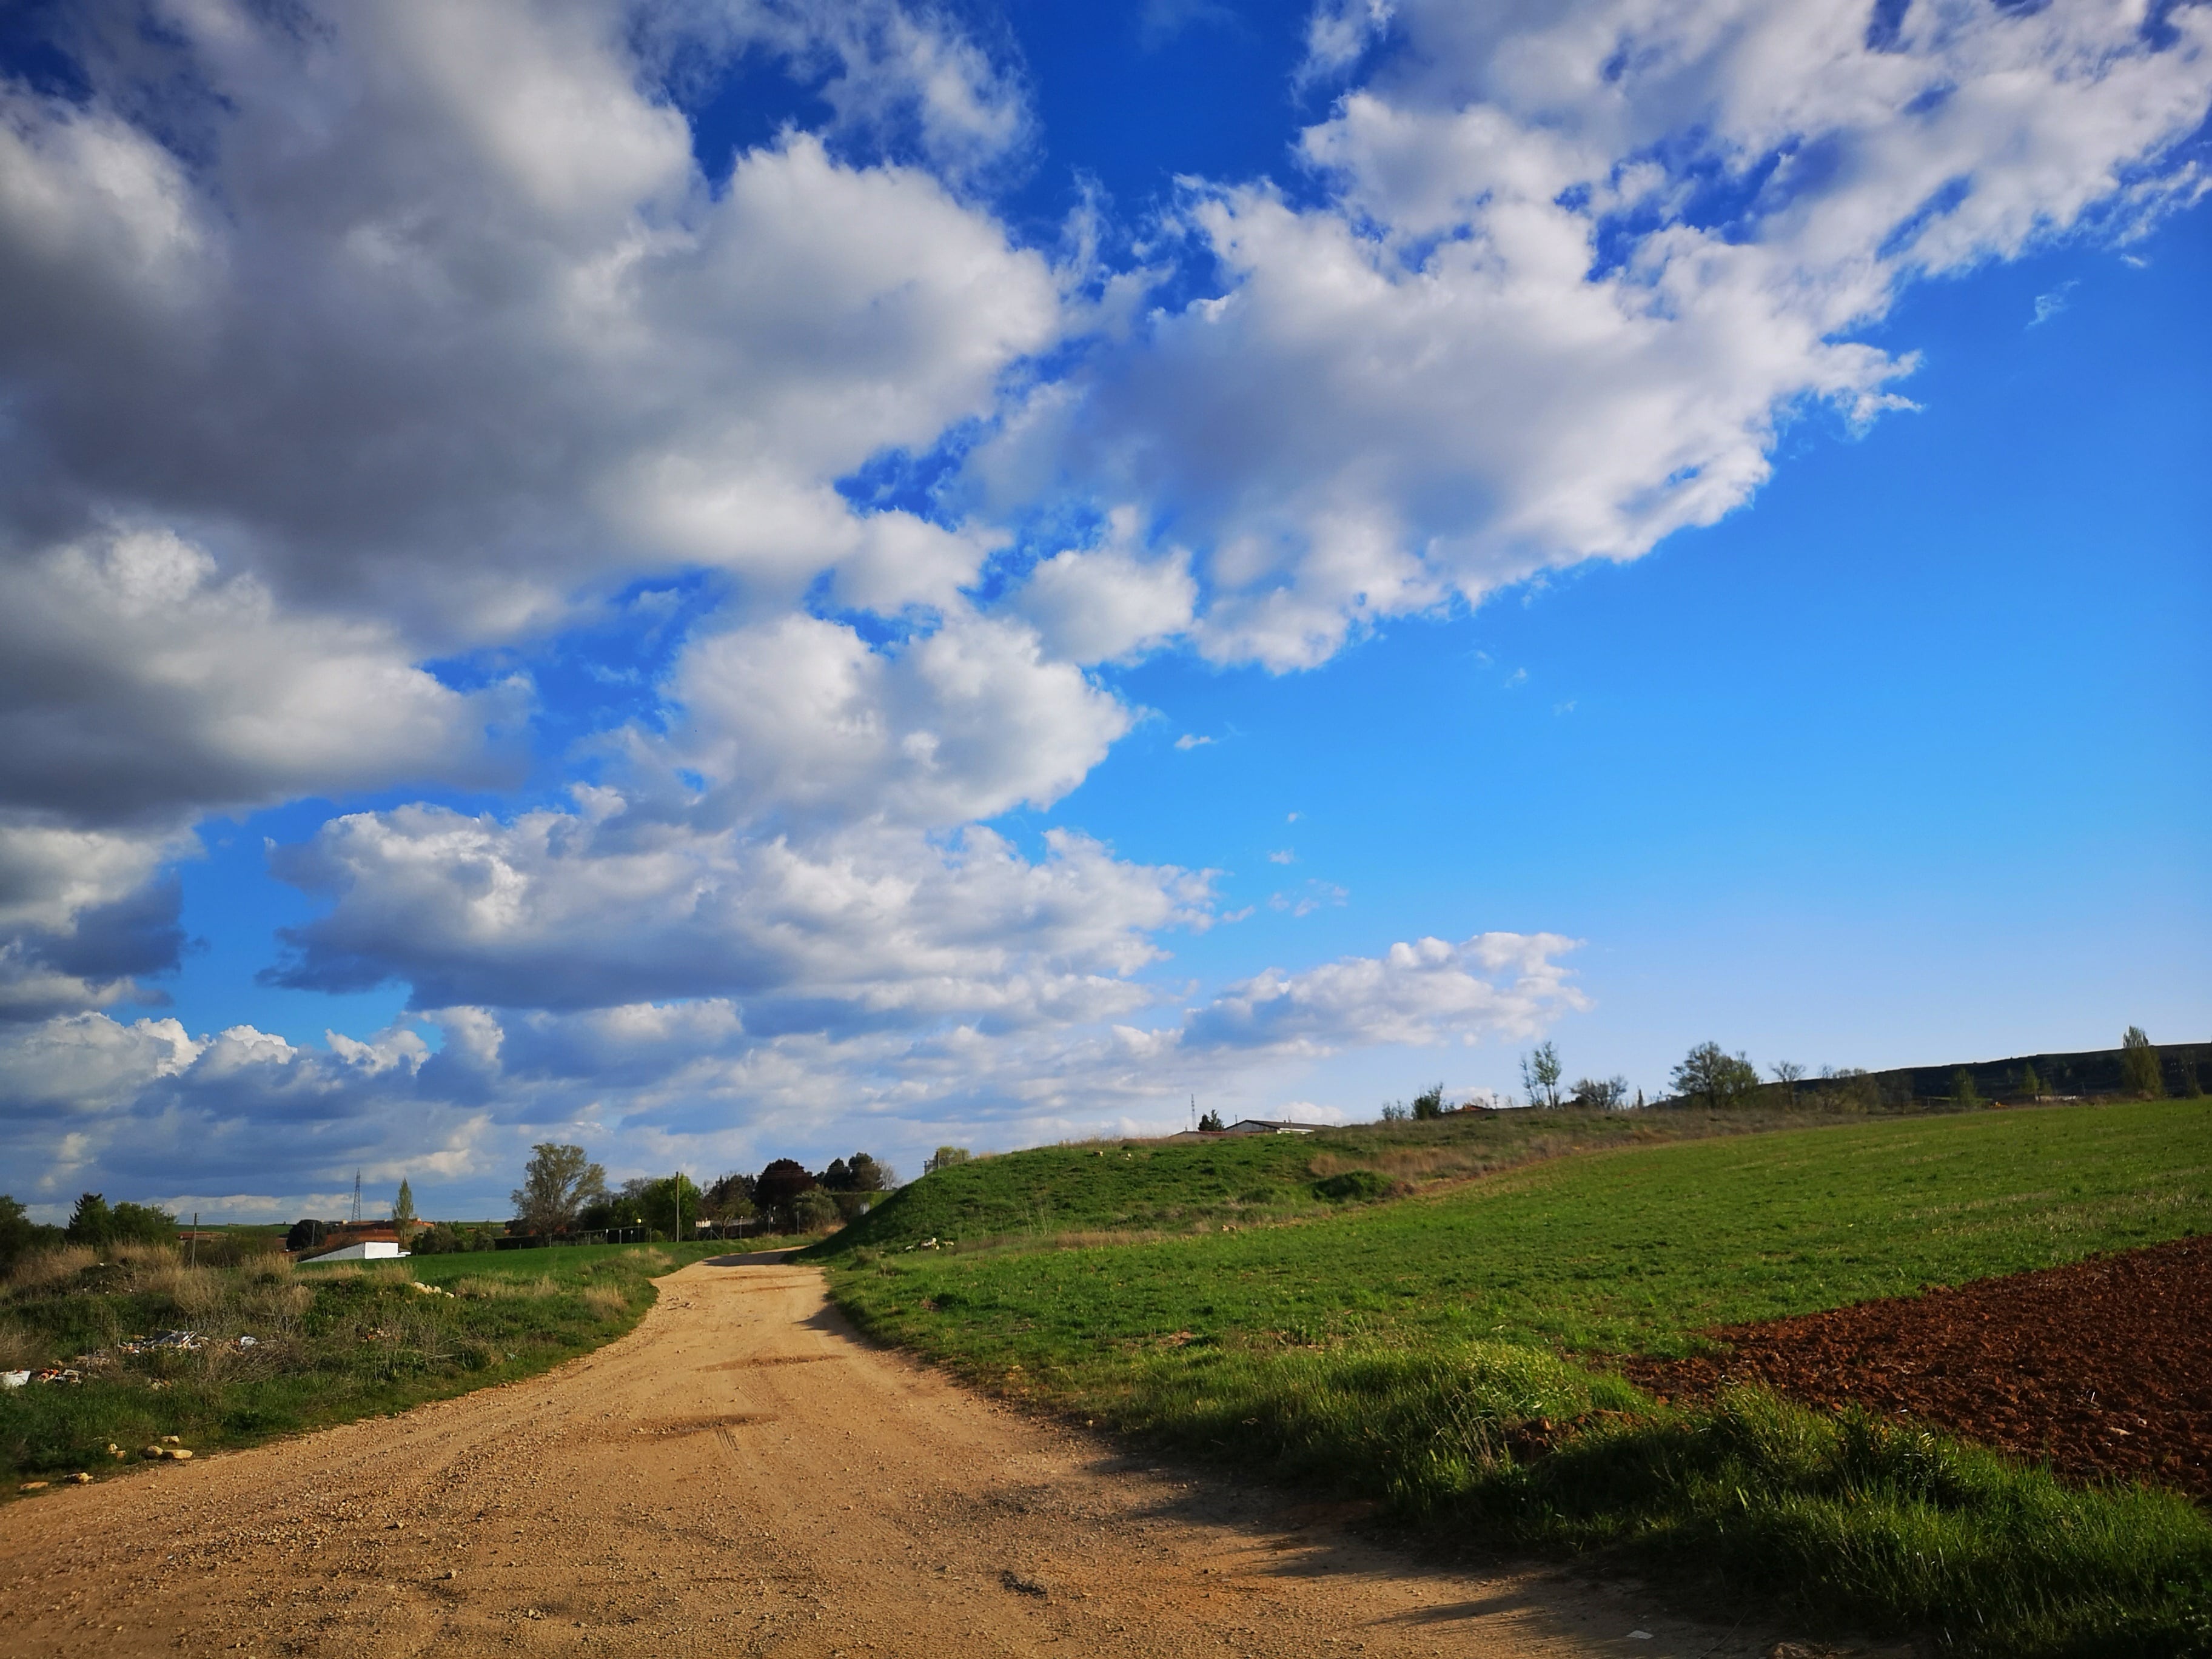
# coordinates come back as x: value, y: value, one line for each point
x: 353, y: 356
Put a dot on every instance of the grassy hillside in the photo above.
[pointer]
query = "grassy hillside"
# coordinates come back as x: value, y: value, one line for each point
x: 329, y: 1344
x: 1436, y: 1351
x: 1174, y: 1185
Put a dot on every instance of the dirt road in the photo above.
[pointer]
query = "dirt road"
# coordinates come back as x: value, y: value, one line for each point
x: 740, y: 1475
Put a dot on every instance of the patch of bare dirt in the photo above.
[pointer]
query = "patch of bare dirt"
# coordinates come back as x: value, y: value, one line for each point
x: 688, y: 1491
x: 2103, y: 1367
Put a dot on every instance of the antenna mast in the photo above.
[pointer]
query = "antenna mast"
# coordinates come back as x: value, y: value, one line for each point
x: 356, y: 1195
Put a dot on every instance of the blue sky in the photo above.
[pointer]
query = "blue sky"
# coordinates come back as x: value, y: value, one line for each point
x: 888, y: 576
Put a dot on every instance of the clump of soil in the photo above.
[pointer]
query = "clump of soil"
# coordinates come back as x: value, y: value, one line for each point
x: 2103, y: 1368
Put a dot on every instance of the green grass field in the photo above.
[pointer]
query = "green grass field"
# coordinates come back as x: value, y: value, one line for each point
x: 332, y: 1343
x: 1427, y: 1350
x: 1147, y: 1186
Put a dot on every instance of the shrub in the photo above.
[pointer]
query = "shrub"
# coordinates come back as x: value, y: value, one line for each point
x: 815, y: 1211
x: 1353, y: 1186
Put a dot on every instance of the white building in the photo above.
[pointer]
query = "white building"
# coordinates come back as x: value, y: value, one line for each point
x: 372, y: 1249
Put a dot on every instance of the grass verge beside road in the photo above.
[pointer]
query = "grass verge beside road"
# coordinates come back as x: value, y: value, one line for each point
x: 1445, y: 1353
x: 328, y: 1344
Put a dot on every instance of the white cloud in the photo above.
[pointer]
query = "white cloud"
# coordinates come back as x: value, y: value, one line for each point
x: 1577, y: 268
x: 147, y: 1109
x: 872, y: 927
x: 1111, y: 602
x: 1285, y: 856
x: 2048, y: 306
x: 1192, y: 740
x: 799, y: 717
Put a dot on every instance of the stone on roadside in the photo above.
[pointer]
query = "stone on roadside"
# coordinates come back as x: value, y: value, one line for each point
x: 80, y: 1478
x: 32, y: 1485
x: 178, y: 1454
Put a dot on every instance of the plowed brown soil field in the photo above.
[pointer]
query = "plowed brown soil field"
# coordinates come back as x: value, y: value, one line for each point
x: 740, y: 1475
x: 2103, y: 1368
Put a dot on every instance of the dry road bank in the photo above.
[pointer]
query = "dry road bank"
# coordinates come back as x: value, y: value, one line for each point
x: 740, y: 1476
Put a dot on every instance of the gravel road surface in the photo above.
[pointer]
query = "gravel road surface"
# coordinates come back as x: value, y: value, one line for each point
x: 741, y: 1475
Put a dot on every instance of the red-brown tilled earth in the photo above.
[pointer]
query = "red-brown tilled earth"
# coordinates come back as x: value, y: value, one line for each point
x: 2103, y: 1368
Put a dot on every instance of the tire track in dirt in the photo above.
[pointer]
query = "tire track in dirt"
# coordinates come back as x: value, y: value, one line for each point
x: 741, y: 1475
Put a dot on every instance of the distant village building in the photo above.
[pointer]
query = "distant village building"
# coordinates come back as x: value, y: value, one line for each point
x: 359, y: 1240
x: 1246, y: 1125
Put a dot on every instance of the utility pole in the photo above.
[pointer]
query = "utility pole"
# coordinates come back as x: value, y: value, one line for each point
x: 192, y: 1250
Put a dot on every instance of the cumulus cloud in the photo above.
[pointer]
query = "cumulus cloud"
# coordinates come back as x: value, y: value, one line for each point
x: 875, y: 925
x: 382, y: 334
x: 801, y: 717
x: 90, y: 1100
x: 1574, y: 271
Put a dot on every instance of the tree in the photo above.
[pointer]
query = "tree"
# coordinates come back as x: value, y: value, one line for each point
x: 778, y: 1189
x: 1429, y: 1104
x: 1540, y: 1075
x: 1789, y: 1074
x: 2139, y: 1068
x: 730, y: 1198
x: 91, y: 1222
x: 306, y: 1233
x: 1210, y: 1124
x: 20, y: 1235
x: 670, y: 1205
x: 1393, y: 1111
x: 1715, y: 1079
x: 815, y: 1212
x: 1963, y: 1092
x: 871, y: 1174
x: 403, y: 1220
x: 2030, y: 1085
x: 1601, y: 1094
x: 556, y: 1184
x: 141, y: 1224
x: 945, y: 1157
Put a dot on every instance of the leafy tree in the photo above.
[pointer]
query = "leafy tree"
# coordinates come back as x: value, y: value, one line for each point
x: 1540, y: 1075
x: 402, y: 1207
x: 306, y: 1233
x: 778, y: 1189
x: 2191, y: 1088
x: 1963, y: 1092
x: 1604, y: 1094
x: 669, y: 1205
x: 857, y: 1173
x: 815, y: 1212
x: 1429, y: 1104
x: 556, y: 1184
x: 1789, y: 1074
x: 20, y: 1235
x: 1393, y: 1111
x: 1211, y: 1124
x: 2139, y: 1067
x: 92, y: 1222
x: 438, y: 1239
x: 141, y: 1224
x: 945, y: 1157
x: 2030, y: 1085
x: 1715, y: 1079
x: 730, y: 1198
